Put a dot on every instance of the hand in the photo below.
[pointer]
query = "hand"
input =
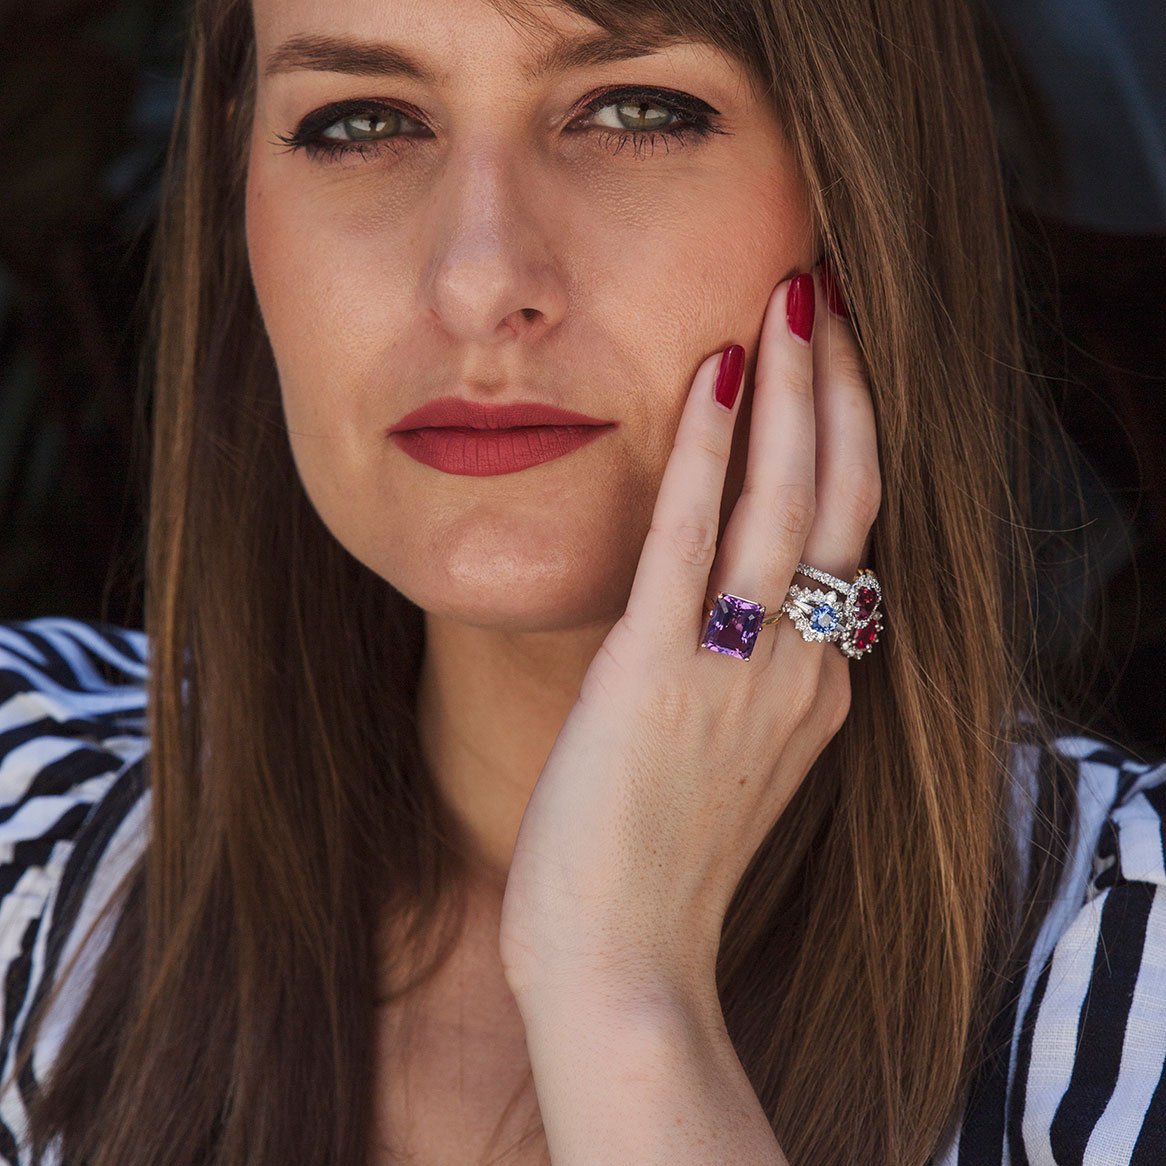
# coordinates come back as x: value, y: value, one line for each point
x: 676, y: 761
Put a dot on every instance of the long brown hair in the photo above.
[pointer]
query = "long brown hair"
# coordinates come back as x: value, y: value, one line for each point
x: 865, y: 952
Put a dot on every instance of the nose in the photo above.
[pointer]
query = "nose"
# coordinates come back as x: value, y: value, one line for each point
x: 493, y: 274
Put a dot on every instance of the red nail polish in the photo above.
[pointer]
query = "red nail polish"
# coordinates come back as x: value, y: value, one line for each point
x: 729, y: 372
x: 799, y: 306
x: 834, y: 300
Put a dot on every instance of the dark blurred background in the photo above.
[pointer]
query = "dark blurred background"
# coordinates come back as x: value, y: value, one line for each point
x: 87, y: 93
x: 88, y: 90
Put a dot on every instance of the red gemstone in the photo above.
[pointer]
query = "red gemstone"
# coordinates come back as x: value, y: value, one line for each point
x: 868, y: 599
x: 865, y: 636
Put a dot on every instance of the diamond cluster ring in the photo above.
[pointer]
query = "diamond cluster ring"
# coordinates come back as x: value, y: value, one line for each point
x: 853, y: 622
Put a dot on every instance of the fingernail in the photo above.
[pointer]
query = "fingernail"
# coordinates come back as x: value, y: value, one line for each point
x: 799, y: 306
x: 834, y: 300
x: 728, y: 383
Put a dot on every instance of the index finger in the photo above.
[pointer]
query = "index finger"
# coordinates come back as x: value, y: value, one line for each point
x: 666, y: 605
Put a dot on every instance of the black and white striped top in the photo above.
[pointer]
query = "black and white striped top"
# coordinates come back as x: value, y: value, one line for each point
x: 1079, y: 1077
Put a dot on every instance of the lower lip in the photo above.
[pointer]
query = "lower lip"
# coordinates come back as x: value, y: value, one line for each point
x: 484, y: 452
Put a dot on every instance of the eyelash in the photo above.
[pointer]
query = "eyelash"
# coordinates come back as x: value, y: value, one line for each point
x: 697, y: 123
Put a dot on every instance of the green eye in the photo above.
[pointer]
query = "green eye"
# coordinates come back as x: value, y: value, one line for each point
x: 627, y: 116
x: 633, y: 114
x: 362, y: 126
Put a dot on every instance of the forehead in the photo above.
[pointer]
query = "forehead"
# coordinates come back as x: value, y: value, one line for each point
x: 435, y: 40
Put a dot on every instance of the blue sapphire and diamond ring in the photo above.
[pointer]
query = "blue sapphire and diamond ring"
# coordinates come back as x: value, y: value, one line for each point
x: 816, y: 614
x: 846, y: 615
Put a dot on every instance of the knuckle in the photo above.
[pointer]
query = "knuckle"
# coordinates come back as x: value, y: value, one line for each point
x: 866, y: 495
x: 799, y: 381
x: 794, y: 510
x: 694, y: 541
x: 799, y: 705
x: 835, y: 696
x: 709, y: 445
x: 846, y: 362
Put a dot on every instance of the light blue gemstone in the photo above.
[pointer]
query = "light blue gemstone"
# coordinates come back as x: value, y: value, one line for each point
x: 823, y: 618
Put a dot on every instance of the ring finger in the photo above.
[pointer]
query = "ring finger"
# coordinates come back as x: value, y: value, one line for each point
x: 772, y: 517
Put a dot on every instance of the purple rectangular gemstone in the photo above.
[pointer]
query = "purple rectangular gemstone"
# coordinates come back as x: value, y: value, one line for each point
x: 733, y: 626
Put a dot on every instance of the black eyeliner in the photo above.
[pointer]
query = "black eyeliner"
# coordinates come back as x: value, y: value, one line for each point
x: 695, y: 119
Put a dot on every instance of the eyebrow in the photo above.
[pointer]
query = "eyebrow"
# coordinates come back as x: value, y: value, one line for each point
x: 336, y: 54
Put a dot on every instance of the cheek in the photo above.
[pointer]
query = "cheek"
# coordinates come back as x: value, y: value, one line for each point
x: 747, y: 237
x: 290, y: 287
x: 326, y: 293
x: 694, y: 269
x: 308, y: 282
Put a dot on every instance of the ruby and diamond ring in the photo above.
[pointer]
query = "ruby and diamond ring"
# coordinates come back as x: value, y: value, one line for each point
x: 847, y: 615
x: 853, y: 623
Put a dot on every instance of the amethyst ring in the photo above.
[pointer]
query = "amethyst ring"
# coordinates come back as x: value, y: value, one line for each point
x: 852, y: 622
x: 734, y: 624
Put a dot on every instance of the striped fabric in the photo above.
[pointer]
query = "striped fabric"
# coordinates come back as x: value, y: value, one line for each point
x: 1077, y: 1071
x: 73, y: 809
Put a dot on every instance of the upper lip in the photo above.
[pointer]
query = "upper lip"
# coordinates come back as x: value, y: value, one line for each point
x: 456, y: 411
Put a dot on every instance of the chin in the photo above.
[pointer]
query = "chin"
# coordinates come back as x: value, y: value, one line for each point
x: 513, y: 603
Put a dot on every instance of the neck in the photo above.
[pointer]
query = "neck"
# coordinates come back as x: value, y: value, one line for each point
x: 490, y: 705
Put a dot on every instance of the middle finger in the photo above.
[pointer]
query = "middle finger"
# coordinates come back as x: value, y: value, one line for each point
x: 772, y: 517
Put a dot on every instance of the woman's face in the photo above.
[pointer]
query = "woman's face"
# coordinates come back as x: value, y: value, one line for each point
x: 487, y: 237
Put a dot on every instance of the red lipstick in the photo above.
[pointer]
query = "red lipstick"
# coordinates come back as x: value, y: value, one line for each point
x: 473, y: 438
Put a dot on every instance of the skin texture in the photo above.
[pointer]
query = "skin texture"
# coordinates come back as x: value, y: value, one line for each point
x: 504, y: 258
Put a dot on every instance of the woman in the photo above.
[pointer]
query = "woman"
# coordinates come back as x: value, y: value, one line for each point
x: 564, y: 794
